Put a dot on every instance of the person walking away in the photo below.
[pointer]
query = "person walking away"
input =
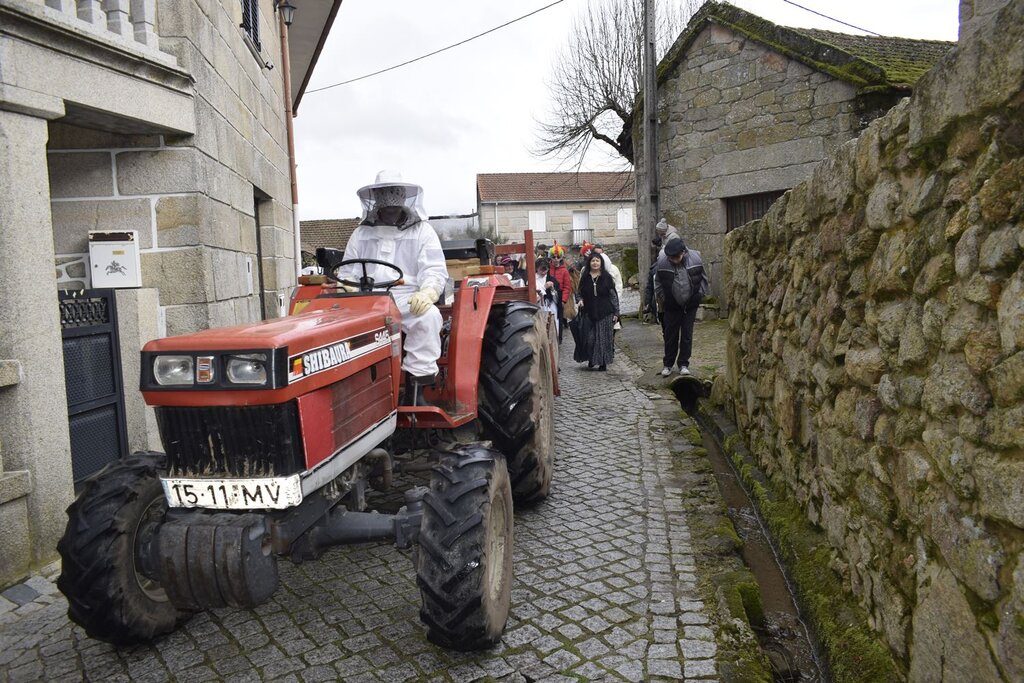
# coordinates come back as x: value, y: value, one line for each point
x: 548, y: 291
x: 394, y: 230
x: 599, y: 309
x: 561, y: 274
x: 680, y: 284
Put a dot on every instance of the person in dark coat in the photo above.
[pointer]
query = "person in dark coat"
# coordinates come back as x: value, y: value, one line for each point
x: 680, y: 283
x: 599, y: 309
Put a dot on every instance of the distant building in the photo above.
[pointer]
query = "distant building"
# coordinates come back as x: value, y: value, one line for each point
x: 462, y: 227
x: 748, y: 109
x: 568, y: 207
x: 330, y: 232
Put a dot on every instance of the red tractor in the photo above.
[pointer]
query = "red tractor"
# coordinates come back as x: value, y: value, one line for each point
x: 274, y: 431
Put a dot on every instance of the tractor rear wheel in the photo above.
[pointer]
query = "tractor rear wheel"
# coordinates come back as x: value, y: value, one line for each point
x: 517, y: 397
x: 464, y: 558
x: 108, y: 595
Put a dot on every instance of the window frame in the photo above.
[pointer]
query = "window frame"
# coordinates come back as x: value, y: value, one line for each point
x: 630, y: 222
x: 742, y: 209
x: 532, y: 215
x: 251, y: 23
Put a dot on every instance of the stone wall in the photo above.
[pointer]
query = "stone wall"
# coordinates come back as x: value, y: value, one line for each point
x: 508, y: 221
x: 737, y: 118
x: 876, y: 360
x: 16, y: 557
x: 976, y: 13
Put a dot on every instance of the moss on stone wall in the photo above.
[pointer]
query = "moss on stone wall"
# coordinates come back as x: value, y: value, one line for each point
x: 841, y: 625
x: 629, y: 263
x: 875, y: 367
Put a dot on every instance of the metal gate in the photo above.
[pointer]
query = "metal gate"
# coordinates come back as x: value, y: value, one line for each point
x: 92, y: 378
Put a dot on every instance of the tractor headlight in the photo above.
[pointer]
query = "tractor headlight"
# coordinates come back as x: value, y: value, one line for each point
x: 247, y: 368
x: 173, y: 370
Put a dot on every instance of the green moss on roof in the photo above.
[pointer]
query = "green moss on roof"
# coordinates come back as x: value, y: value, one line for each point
x: 904, y: 60
x: 870, y: 62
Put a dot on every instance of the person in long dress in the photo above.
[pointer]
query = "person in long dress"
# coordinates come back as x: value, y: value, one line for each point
x: 599, y: 308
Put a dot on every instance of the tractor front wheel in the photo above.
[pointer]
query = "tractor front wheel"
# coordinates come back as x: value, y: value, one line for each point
x: 117, y: 513
x: 464, y: 559
x: 517, y: 397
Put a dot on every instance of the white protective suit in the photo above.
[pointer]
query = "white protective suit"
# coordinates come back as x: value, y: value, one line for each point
x: 415, y: 248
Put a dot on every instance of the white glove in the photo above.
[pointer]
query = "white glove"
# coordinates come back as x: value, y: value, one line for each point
x: 421, y: 301
x: 348, y: 288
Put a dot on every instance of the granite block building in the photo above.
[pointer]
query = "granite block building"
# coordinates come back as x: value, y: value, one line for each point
x: 162, y: 124
x: 568, y: 207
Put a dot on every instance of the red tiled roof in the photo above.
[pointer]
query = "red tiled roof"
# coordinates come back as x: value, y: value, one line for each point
x: 331, y: 232
x: 555, y: 187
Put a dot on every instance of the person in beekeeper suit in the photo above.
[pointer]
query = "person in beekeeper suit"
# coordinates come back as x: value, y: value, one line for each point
x: 394, y: 229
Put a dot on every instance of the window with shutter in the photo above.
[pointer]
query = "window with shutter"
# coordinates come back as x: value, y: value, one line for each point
x: 251, y: 21
x: 742, y: 210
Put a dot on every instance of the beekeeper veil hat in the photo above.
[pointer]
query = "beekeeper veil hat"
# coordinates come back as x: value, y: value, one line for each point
x: 390, y: 190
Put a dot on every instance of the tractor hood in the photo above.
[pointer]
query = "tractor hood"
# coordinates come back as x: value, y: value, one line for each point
x: 306, y: 330
x: 326, y: 342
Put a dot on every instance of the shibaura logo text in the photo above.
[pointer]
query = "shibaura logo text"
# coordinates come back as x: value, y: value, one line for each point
x: 316, y: 360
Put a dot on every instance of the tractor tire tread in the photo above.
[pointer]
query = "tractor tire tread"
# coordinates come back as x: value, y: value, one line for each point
x: 93, y: 553
x: 451, y: 567
x: 512, y: 357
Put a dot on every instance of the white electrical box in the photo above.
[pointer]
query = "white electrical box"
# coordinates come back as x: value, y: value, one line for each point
x: 115, y: 259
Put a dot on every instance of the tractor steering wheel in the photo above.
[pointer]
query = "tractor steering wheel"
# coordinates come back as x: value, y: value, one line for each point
x: 367, y: 283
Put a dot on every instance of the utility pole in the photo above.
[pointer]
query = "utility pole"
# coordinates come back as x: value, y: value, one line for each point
x: 650, y: 92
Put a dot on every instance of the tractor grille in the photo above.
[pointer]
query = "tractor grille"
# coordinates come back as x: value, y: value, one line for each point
x: 236, y: 441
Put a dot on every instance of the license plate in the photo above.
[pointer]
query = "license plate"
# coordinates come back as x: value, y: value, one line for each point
x: 274, y: 493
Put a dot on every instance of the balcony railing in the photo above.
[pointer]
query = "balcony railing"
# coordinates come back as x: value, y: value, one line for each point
x: 130, y: 21
x: 581, y: 235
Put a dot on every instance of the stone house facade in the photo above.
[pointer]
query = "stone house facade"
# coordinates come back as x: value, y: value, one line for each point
x: 747, y: 108
x: 568, y: 207
x: 164, y: 118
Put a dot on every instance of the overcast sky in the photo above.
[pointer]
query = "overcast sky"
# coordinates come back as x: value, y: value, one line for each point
x: 473, y: 109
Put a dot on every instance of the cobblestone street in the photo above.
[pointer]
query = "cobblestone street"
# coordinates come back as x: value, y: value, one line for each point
x: 605, y: 584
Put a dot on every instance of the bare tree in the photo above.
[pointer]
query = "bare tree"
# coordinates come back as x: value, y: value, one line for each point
x: 597, y: 77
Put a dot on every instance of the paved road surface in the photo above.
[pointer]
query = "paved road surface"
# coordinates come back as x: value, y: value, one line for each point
x: 604, y: 585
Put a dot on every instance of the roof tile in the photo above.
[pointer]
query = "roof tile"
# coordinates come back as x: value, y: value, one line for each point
x: 555, y: 187
x: 331, y: 232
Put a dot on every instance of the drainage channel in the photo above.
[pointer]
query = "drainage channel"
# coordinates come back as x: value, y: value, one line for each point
x: 784, y: 637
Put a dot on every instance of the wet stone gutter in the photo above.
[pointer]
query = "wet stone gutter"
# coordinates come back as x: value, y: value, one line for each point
x: 847, y: 649
x: 853, y: 652
x: 727, y: 587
